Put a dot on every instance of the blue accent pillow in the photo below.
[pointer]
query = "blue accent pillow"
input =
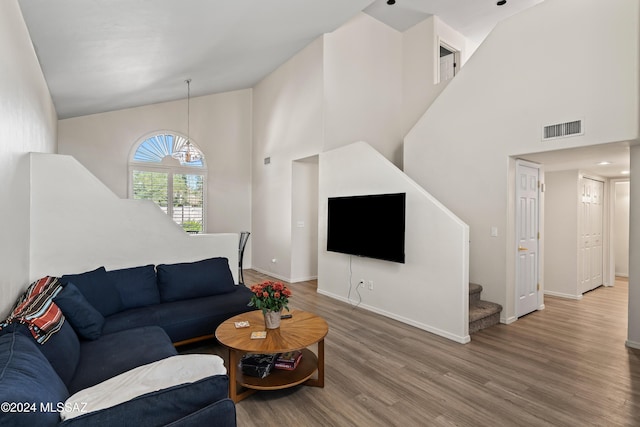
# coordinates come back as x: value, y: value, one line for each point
x: 195, y: 279
x: 97, y: 289
x: 83, y: 317
x: 137, y: 286
x: 27, y: 377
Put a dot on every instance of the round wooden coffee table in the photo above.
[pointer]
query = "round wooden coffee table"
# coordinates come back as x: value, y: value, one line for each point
x: 302, y: 330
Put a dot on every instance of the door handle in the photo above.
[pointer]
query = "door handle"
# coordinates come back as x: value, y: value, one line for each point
x: 522, y: 248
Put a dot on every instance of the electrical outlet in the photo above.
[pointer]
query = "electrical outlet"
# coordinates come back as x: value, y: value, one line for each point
x: 370, y: 285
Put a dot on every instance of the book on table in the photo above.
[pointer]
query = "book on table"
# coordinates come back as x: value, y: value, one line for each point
x: 289, y: 360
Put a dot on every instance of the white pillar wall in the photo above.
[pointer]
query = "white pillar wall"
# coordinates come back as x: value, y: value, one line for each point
x: 633, y: 334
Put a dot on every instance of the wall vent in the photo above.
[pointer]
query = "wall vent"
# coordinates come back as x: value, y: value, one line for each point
x: 562, y: 130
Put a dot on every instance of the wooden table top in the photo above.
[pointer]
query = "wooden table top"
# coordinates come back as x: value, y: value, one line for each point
x: 300, y: 331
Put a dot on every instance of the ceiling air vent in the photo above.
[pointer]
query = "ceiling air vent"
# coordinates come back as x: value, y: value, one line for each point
x: 562, y: 130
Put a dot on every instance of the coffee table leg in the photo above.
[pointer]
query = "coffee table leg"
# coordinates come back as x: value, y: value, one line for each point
x: 236, y: 392
x: 233, y: 385
x: 321, y: 363
x: 318, y: 382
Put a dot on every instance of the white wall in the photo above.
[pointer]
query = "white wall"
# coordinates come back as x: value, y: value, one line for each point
x: 27, y: 123
x: 431, y: 289
x: 420, y: 64
x: 363, y: 86
x: 287, y: 126
x: 343, y: 87
x: 82, y: 225
x: 621, y: 228
x: 561, y: 234
x: 543, y: 66
x: 220, y: 126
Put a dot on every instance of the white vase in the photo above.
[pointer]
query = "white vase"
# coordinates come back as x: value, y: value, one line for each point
x: 272, y: 319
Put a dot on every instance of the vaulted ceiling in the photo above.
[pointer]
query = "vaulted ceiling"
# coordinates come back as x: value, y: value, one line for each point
x: 104, y: 55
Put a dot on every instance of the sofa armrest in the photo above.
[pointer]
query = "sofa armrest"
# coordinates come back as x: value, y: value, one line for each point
x: 164, y: 406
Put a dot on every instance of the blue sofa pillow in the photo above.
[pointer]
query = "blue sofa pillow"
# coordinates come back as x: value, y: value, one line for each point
x: 195, y: 279
x: 137, y: 286
x: 97, y: 289
x: 83, y: 317
x: 27, y: 378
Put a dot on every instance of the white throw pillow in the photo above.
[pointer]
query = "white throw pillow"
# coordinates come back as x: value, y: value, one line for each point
x: 165, y: 373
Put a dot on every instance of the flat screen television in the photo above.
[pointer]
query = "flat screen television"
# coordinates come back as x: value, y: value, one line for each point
x: 369, y: 226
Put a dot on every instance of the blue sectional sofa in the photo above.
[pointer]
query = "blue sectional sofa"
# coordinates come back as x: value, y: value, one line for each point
x: 188, y: 300
x: 114, y: 322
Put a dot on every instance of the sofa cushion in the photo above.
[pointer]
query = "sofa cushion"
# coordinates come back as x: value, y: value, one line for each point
x: 132, y: 318
x: 97, y: 289
x: 83, y: 317
x: 201, y: 316
x: 26, y: 377
x: 62, y: 351
x: 195, y: 279
x: 148, y: 378
x: 137, y: 286
x: 113, y: 354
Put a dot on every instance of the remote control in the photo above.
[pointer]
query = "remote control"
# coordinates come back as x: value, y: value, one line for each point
x: 286, y: 316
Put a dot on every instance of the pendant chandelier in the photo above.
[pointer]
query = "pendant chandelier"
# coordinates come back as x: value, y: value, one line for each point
x: 187, y: 153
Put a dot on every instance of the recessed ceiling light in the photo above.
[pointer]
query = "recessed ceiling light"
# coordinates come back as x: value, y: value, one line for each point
x: 625, y: 172
x: 604, y: 163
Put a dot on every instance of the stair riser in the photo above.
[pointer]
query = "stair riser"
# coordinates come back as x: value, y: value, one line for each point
x: 482, y: 314
x: 483, y: 323
x: 474, y: 292
x: 473, y: 297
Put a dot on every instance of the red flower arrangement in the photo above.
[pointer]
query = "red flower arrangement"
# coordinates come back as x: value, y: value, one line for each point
x: 270, y: 296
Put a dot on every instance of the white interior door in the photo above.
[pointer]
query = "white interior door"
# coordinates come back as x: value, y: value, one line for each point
x: 591, y: 226
x: 447, y: 67
x: 527, y: 228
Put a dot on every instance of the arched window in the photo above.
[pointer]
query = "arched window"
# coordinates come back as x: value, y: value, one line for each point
x: 177, y: 187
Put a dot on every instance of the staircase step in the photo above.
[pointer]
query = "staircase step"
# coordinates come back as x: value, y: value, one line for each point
x: 483, y: 314
x: 474, y: 292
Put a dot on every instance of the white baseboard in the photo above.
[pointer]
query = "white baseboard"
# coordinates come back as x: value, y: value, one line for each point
x: 563, y: 295
x: 508, y: 320
x: 632, y: 344
x: 302, y: 279
x: 272, y: 274
x: 457, y: 338
x: 284, y: 279
x: 512, y: 319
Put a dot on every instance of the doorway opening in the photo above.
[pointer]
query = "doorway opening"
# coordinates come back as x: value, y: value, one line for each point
x: 579, y: 228
x: 304, y: 219
x: 620, y: 240
x: 449, y: 62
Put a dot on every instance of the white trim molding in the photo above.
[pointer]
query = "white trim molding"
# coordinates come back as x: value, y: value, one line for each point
x: 563, y: 295
x: 632, y: 344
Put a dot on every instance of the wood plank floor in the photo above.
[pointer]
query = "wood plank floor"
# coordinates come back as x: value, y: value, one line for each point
x: 564, y: 366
